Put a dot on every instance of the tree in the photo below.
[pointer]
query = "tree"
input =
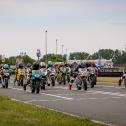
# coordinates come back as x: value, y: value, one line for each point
x: 78, y: 55
x: 27, y: 59
x: 117, y: 57
x: 12, y: 60
x: 54, y: 58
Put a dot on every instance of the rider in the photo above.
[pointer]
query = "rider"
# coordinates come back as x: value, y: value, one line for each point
x: 50, y: 69
x: 20, y: 70
x: 63, y: 71
x: 123, y: 77
x: 32, y: 69
x: 80, y: 65
x: 1, y: 67
x: 68, y: 71
x: 42, y: 66
x: 28, y: 75
x: 5, y: 70
x: 28, y: 72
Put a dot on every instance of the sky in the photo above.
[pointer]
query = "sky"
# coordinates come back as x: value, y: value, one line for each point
x: 80, y: 25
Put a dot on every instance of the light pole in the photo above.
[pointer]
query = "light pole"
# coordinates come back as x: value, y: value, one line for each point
x: 56, y: 49
x: 66, y: 54
x: 46, y: 60
x: 62, y: 50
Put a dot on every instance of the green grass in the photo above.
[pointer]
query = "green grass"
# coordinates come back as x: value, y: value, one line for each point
x: 108, y: 79
x: 13, y: 113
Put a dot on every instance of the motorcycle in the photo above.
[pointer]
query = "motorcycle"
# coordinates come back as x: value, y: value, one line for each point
x: 52, y: 77
x: 36, y: 81
x: 59, y: 77
x: 82, y: 83
x: 0, y: 78
x: 123, y: 78
x: 63, y: 79
x: 21, y: 78
x: 6, y: 77
x: 92, y: 77
x: 68, y: 74
x: 43, y: 79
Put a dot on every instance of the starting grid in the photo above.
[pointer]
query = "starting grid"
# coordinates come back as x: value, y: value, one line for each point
x: 76, y: 95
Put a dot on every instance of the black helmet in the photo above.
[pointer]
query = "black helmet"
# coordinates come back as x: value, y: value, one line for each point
x: 36, y: 66
x: 29, y: 65
x: 21, y: 65
x: 88, y: 64
x: 82, y: 65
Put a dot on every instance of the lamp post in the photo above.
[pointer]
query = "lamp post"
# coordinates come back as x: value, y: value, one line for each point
x: 56, y: 49
x: 46, y: 60
x: 62, y: 50
x: 66, y: 55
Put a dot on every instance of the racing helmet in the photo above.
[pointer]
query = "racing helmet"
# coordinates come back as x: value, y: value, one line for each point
x: 82, y: 65
x: 50, y: 64
x: 62, y: 64
x: 5, y: 66
x: 21, y: 66
x: 36, y: 66
x: 42, y: 65
x: 29, y: 65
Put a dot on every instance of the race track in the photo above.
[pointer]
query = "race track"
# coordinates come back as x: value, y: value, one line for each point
x: 105, y: 102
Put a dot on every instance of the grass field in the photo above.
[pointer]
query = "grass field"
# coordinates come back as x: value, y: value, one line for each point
x: 108, y: 79
x: 13, y: 113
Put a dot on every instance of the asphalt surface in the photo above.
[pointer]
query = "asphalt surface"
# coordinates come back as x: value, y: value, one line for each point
x: 105, y: 102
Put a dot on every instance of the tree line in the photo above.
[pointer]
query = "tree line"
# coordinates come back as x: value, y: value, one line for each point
x: 118, y: 57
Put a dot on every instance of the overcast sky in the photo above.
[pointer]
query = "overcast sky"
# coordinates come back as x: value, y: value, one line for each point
x: 81, y: 25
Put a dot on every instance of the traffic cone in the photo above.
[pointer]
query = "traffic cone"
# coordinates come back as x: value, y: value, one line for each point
x: 70, y: 87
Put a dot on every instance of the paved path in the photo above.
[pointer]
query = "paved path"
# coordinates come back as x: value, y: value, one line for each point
x: 106, y: 103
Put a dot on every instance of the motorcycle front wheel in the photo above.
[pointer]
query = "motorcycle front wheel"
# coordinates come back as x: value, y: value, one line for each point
x: 84, y: 84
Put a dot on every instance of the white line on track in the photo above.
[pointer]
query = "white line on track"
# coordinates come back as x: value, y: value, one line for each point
x: 57, y: 96
x: 42, y: 100
x: 106, y: 86
x: 107, y: 93
x: 94, y: 98
x: 65, y: 88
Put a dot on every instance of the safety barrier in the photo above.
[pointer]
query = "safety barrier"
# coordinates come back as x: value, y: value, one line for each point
x: 110, y: 74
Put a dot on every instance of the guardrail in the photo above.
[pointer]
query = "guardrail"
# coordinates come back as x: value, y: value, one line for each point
x: 110, y: 74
